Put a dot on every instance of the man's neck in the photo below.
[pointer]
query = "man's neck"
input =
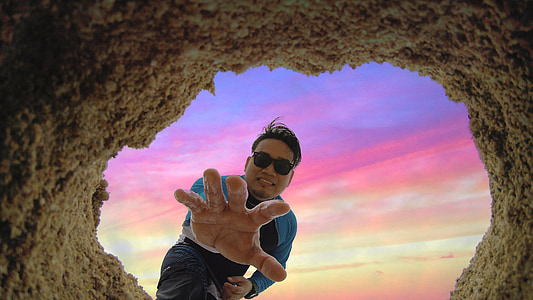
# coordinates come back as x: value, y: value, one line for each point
x: 252, y: 202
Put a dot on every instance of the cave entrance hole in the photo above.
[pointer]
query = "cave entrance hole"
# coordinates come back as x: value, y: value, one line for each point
x: 389, y: 167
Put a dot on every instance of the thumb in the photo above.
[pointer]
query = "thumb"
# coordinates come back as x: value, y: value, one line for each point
x: 268, y: 210
x: 269, y: 266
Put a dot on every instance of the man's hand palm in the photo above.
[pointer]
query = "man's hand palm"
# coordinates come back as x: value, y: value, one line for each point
x: 231, y: 228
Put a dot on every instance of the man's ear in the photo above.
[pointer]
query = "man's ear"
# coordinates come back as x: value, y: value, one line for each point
x: 290, y: 179
x: 247, y: 161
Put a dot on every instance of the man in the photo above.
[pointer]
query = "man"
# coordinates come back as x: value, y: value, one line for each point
x: 220, y: 239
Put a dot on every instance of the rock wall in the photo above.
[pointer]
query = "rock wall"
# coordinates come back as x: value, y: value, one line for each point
x: 79, y: 80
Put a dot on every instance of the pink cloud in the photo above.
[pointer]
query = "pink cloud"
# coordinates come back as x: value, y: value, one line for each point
x: 329, y: 267
x: 386, y: 165
x: 419, y: 208
x: 448, y: 256
x: 428, y: 257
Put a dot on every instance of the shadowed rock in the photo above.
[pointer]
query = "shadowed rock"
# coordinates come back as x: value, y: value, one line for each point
x: 79, y: 81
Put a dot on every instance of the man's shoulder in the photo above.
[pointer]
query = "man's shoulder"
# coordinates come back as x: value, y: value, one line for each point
x: 200, y: 181
x: 288, y: 217
x: 224, y: 177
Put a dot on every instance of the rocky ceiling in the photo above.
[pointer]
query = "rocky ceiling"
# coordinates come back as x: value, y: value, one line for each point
x: 80, y: 80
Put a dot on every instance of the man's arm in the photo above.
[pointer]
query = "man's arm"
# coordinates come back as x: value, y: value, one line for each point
x: 287, y: 226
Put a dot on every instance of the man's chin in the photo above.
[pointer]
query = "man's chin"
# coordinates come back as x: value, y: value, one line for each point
x: 261, y: 196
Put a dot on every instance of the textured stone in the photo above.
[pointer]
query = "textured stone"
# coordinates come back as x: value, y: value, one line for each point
x: 79, y: 80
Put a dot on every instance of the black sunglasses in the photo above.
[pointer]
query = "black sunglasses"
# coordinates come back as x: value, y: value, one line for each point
x: 263, y: 160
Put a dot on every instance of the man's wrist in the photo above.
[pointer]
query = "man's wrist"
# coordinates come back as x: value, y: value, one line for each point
x: 253, y: 292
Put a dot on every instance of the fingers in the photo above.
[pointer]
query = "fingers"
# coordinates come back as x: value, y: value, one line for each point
x: 236, y: 287
x: 213, y: 191
x: 268, y: 210
x: 237, y: 193
x: 269, y: 266
x: 193, y: 201
x: 238, y: 280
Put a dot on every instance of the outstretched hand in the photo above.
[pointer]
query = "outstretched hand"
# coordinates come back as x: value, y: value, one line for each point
x: 229, y: 226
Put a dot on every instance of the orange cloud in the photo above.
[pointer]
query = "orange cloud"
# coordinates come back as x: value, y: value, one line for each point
x: 329, y: 267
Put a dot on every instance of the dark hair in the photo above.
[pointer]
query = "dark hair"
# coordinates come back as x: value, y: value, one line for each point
x: 280, y: 131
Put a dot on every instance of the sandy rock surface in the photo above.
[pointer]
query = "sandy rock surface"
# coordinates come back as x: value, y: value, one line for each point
x: 79, y: 80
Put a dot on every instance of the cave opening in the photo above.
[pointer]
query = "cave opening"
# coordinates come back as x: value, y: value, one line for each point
x: 400, y: 197
x: 82, y: 80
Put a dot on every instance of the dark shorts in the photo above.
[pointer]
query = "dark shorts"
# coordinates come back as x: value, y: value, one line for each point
x: 184, y: 275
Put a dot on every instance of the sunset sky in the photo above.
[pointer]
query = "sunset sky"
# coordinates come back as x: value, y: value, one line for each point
x: 391, y: 196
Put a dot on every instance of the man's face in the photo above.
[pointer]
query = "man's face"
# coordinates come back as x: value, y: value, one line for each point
x: 266, y: 183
